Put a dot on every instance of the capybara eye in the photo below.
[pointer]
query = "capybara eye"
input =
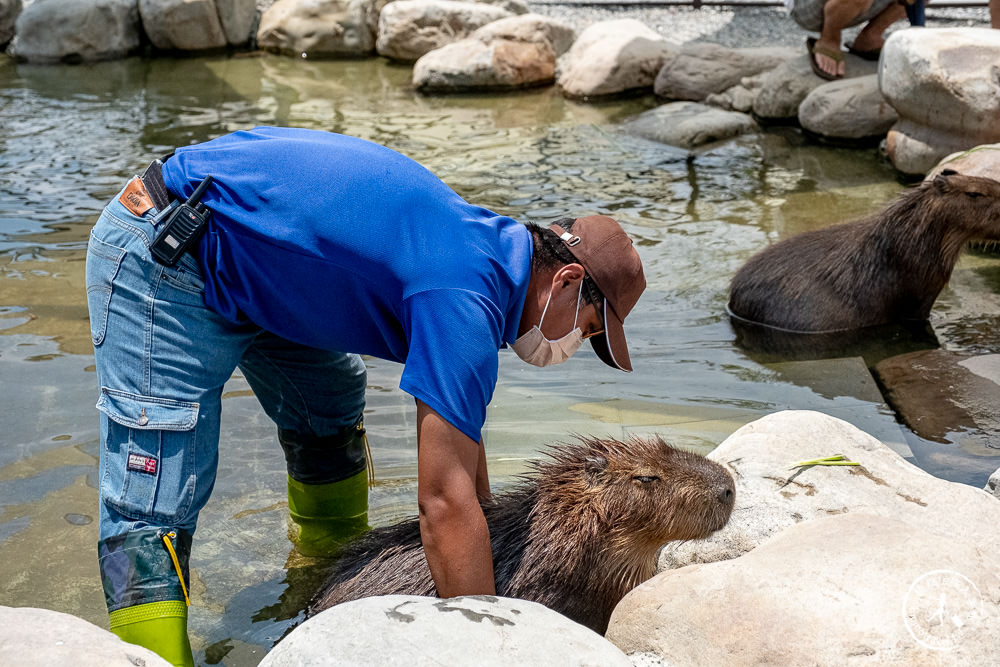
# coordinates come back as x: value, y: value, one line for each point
x: 974, y: 194
x: 645, y: 479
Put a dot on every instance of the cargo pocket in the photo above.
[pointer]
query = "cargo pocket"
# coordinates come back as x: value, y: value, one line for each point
x: 149, y: 466
x: 103, y: 260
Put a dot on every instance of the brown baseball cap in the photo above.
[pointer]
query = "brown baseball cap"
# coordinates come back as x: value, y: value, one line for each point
x: 608, y: 256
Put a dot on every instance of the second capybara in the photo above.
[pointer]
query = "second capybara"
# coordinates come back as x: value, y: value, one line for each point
x: 575, y: 535
x: 885, y: 268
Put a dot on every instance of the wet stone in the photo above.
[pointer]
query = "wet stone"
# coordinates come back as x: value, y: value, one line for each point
x: 689, y: 124
x: 946, y: 397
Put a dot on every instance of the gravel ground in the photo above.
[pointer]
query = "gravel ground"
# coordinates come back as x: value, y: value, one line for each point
x: 731, y: 26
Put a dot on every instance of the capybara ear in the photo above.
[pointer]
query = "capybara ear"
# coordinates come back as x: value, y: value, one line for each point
x: 595, y: 465
x: 947, y: 180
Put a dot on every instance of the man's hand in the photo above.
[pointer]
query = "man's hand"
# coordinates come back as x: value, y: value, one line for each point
x: 452, y: 526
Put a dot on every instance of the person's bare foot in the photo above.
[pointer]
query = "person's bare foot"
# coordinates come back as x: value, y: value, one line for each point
x: 823, y: 53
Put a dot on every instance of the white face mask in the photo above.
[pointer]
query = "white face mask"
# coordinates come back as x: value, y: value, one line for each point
x: 534, y: 348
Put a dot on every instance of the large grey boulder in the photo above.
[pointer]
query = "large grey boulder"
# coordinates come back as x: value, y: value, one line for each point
x: 237, y: 18
x: 613, y: 57
x: 944, y: 85
x: 55, y: 30
x: 424, y: 632
x: 184, y: 25
x: 319, y: 28
x: 689, y: 124
x: 407, y: 29
x: 783, y: 88
x: 701, y: 69
x: 946, y: 396
x: 9, y: 11
x: 856, y: 589
x: 772, y: 493
x: 510, y: 53
x: 32, y: 637
x: 849, y: 109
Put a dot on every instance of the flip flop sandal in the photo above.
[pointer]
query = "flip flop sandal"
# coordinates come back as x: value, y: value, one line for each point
x: 837, y: 56
x: 871, y: 54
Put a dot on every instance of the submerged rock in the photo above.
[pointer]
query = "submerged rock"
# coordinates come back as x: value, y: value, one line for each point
x: 689, y: 124
x: 510, y: 53
x: 32, y: 637
x: 612, y: 57
x: 943, y: 82
x: 701, y: 69
x: 772, y: 493
x: 851, y: 109
x: 407, y: 29
x: 943, y: 396
x: 856, y: 589
x: 422, y: 631
x: 319, y: 28
x: 55, y: 30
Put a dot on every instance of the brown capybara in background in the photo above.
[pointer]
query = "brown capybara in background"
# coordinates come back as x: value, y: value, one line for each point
x: 886, y: 268
x: 575, y: 536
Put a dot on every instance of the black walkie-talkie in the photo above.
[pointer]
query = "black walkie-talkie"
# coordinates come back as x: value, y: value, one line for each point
x: 182, y: 227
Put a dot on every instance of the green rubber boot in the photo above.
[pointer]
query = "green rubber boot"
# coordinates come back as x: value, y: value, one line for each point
x: 159, y: 626
x: 328, y: 515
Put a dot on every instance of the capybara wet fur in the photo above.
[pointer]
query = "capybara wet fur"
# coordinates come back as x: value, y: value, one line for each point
x: 885, y: 268
x: 575, y: 534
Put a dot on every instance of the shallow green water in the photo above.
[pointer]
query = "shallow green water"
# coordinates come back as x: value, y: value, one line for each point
x: 71, y: 136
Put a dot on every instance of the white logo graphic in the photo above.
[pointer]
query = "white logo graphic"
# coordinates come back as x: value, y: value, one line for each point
x: 942, y: 608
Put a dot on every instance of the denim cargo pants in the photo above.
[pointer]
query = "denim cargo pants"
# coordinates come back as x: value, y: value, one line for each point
x: 162, y: 360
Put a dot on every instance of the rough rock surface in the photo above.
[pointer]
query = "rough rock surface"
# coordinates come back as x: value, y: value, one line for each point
x: 943, y: 82
x: 419, y: 631
x: 613, y: 57
x: 407, y: 29
x: 773, y: 494
x: 946, y: 396
x: 849, y: 109
x: 856, y: 589
x: 237, y: 18
x: 703, y: 68
x: 993, y: 484
x: 983, y: 161
x: 783, y: 88
x: 510, y: 53
x: 31, y: 637
x: 186, y: 25
x: 319, y: 28
x: 56, y: 30
x: 9, y: 11
x: 689, y: 124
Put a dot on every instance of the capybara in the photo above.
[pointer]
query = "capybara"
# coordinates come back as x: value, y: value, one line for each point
x: 885, y: 268
x: 576, y: 534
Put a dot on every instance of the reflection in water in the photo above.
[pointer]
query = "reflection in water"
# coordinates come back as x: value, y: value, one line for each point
x: 71, y: 136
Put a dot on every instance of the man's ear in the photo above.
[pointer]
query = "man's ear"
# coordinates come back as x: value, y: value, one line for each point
x: 568, y: 275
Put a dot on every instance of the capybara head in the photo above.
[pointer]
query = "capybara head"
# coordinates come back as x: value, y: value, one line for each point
x: 641, y: 493
x: 971, y: 203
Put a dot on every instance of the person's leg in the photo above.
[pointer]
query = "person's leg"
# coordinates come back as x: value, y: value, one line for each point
x: 872, y: 36
x: 837, y: 15
x: 316, y: 398
x: 162, y: 358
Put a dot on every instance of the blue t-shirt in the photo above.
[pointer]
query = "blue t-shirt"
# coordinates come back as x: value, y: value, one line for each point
x: 342, y: 244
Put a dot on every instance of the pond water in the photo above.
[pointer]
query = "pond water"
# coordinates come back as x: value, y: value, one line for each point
x: 71, y: 136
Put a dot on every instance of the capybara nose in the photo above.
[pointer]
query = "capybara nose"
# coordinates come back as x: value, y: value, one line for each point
x: 725, y: 494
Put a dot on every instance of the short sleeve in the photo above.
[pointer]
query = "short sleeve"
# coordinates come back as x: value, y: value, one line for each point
x: 451, y: 364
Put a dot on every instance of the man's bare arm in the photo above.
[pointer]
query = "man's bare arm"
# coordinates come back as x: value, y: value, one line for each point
x: 452, y: 526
